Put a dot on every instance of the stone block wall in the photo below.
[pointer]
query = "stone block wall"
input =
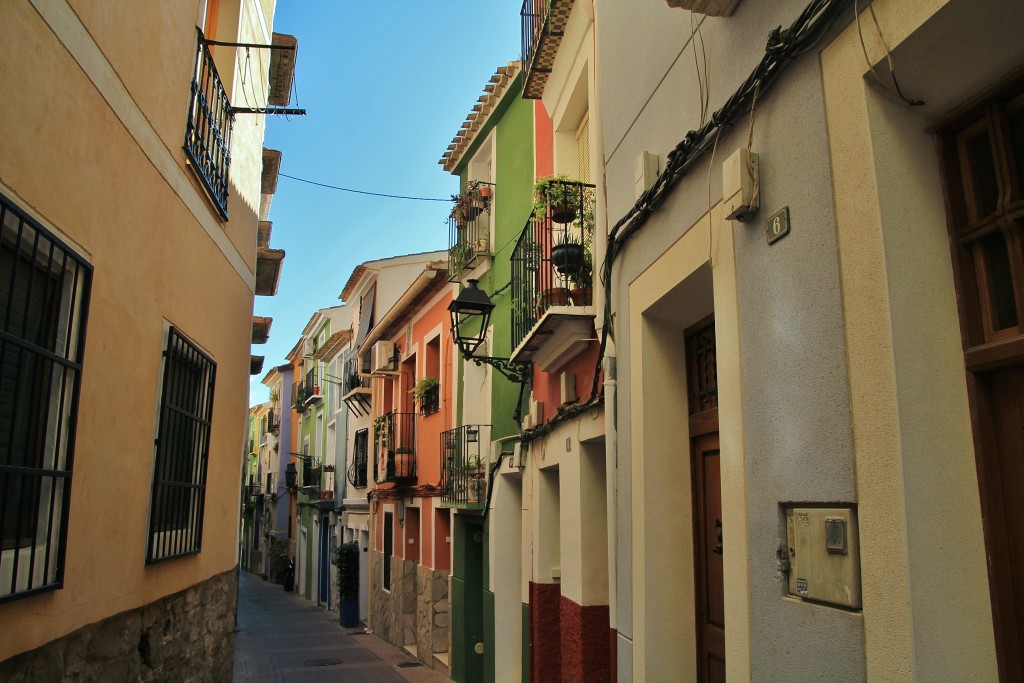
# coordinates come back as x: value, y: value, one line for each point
x: 433, y: 621
x: 415, y: 610
x: 188, y: 636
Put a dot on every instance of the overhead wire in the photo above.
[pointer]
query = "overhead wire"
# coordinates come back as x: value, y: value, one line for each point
x: 365, y: 192
x: 894, y: 88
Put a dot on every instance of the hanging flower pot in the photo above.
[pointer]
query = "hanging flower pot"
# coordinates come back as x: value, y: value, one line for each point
x: 567, y: 258
x: 563, y: 213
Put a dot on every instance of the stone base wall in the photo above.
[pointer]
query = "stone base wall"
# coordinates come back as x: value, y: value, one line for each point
x: 585, y: 646
x: 415, y: 610
x: 432, y: 616
x: 188, y: 636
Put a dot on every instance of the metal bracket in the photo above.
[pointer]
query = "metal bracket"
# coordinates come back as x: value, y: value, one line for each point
x: 515, y: 371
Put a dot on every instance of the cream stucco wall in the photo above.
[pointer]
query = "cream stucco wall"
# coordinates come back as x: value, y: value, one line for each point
x: 922, y: 543
x: 93, y: 151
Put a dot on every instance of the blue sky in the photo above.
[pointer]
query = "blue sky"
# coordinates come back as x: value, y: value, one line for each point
x: 386, y: 87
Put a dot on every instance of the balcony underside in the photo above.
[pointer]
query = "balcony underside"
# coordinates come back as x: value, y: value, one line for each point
x: 268, y: 270
x: 562, y: 333
x: 359, y: 401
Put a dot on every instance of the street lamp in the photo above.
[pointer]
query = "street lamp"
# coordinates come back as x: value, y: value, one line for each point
x: 471, y: 314
x: 290, y: 474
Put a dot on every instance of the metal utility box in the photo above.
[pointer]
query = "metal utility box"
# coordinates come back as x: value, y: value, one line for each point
x: 824, y: 555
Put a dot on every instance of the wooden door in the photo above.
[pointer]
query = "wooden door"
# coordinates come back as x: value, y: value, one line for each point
x: 702, y: 382
x: 1000, y: 401
x: 983, y: 155
x: 708, y: 539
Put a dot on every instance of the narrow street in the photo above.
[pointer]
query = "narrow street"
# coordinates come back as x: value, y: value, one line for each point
x: 282, y: 637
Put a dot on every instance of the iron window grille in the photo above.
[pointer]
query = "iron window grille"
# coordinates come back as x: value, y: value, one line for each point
x: 430, y: 402
x: 208, y: 128
x: 182, y: 451
x: 44, y: 293
x: 360, y: 447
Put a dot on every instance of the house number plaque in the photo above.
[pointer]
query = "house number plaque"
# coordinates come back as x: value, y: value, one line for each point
x: 777, y: 226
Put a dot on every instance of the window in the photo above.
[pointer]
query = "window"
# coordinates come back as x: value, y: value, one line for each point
x: 182, y: 450
x: 357, y: 470
x: 984, y: 155
x: 389, y: 547
x: 44, y: 294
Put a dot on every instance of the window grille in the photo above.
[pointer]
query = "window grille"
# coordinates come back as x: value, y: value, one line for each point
x: 182, y: 451
x: 44, y: 297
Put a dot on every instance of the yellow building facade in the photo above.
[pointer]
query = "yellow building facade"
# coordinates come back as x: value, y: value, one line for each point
x: 129, y: 246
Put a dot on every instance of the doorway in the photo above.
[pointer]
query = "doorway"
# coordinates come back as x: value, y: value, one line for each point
x: 702, y: 392
x: 983, y: 164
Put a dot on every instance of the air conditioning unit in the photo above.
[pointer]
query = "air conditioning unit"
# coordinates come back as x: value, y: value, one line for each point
x: 383, y: 356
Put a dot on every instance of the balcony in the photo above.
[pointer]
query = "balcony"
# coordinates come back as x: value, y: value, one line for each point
x: 208, y: 129
x: 274, y: 421
x: 464, y: 466
x: 553, y: 278
x: 469, y: 228
x: 394, y: 442
x: 356, y: 389
x: 312, y: 385
x: 543, y: 22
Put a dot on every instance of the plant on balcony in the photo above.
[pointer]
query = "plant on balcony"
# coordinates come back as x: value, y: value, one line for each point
x: 346, y: 559
x: 559, y: 192
x: 422, y: 386
x: 403, y: 461
x: 466, y: 207
x: 459, y: 255
x: 300, y: 398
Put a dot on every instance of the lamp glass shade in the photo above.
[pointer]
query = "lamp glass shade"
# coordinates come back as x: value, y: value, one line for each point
x: 470, y: 313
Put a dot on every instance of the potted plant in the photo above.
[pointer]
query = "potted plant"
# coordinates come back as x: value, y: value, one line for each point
x: 477, y: 480
x: 559, y: 193
x: 403, y: 461
x: 458, y: 256
x: 346, y: 559
x: 422, y: 386
x: 466, y: 207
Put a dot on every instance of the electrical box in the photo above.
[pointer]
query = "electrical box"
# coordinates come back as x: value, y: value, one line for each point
x: 740, y: 186
x: 645, y: 172
x: 383, y: 357
x: 824, y: 555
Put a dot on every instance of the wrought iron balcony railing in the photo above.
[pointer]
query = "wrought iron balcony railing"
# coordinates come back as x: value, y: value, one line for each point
x: 274, y: 421
x: 553, y: 261
x: 464, y: 466
x: 208, y: 128
x: 394, y: 449
x: 543, y: 22
x: 313, y: 384
x: 351, y: 378
x: 469, y: 228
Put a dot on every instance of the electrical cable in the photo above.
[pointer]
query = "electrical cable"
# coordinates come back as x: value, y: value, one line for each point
x: 895, y: 87
x: 783, y: 46
x: 372, y: 194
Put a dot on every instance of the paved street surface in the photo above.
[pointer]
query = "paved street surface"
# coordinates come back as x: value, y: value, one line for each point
x: 282, y: 637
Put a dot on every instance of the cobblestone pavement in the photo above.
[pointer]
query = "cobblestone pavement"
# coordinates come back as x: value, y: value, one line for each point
x: 282, y: 637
